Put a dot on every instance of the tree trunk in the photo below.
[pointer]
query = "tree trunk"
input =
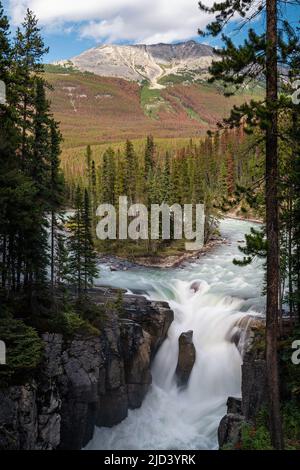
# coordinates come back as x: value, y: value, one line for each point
x: 4, y: 261
x: 272, y: 227
x: 53, y: 224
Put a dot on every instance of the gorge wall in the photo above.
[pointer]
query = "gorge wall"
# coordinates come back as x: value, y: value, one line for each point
x: 249, y: 340
x: 87, y: 381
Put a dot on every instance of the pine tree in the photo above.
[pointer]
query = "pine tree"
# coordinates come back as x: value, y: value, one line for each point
x: 61, y: 259
x: 90, y: 270
x: 29, y: 50
x: 75, y: 243
x: 7, y: 145
x: 56, y: 192
x: 38, y: 166
x: 260, y: 54
x: 82, y: 258
x: 166, y: 180
x: 5, y: 47
x: 149, y: 155
x: 88, y: 157
x: 108, y: 177
x: 131, y: 171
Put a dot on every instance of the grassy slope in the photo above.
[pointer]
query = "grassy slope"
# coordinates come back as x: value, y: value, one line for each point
x: 102, y: 111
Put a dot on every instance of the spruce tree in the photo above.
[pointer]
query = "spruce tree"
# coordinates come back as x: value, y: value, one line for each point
x: 90, y: 270
x: 61, y: 259
x: 149, y: 155
x: 260, y: 55
x: 108, y: 177
x: 82, y: 259
x: 131, y: 171
x: 29, y: 50
x: 88, y: 157
x: 75, y: 243
x: 56, y: 193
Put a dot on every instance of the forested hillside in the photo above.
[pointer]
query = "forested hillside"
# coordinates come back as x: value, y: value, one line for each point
x: 210, y: 171
x: 92, y: 109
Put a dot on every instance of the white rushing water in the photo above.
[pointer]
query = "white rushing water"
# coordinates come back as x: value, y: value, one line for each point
x: 171, y: 418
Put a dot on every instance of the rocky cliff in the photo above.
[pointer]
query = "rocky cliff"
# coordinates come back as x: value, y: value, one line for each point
x: 87, y: 381
x: 248, y: 337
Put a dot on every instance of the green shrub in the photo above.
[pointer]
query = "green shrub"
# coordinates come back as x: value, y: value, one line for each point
x: 291, y: 423
x: 70, y: 323
x: 119, y: 304
x: 255, y: 438
x: 23, y: 351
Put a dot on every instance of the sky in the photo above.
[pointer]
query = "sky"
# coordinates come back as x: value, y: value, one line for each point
x: 70, y: 26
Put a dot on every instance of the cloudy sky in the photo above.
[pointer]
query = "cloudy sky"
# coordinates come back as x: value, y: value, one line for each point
x: 71, y: 26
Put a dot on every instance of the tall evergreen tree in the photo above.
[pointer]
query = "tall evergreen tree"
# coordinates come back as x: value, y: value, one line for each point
x: 75, y: 243
x: 82, y: 258
x: 29, y: 50
x: 56, y: 193
x: 260, y: 54
x: 131, y: 171
x: 88, y: 157
x: 108, y: 177
x: 90, y: 270
x: 149, y: 155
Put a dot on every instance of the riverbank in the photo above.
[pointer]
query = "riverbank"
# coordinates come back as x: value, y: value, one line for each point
x: 177, y: 261
x: 166, y: 261
x: 118, y: 263
x: 243, y: 219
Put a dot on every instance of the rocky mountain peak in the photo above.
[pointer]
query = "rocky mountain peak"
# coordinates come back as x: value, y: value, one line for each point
x: 142, y: 62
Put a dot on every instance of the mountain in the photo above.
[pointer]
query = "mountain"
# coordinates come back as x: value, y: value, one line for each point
x: 152, y: 63
x: 111, y: 93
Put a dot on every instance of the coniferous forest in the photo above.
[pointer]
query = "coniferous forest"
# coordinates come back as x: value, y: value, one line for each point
x: 68, y: 298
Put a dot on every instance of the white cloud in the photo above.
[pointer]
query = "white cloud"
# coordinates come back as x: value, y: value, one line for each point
x: 139, y: 21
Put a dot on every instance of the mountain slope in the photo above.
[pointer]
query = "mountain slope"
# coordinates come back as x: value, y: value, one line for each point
x: 142, y: 62
x: 111, y: 93
x: 93, y: 109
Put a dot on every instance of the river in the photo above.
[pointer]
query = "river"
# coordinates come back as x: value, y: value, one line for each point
x: 188, y: 419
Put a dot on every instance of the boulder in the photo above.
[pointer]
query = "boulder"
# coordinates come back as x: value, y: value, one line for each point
x: 186, y: 358
x: 230, y: 429
x: 195, y: 286
x: 234, y: 405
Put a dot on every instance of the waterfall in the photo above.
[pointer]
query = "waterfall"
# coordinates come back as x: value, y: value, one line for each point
x: 209, y: 298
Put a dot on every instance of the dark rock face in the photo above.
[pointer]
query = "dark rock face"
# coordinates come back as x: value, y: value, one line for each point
x: 136, y: 344
x: 186, y: 358
x: 254, y: 386
x: 254, y: 383
x: 169, y: 52
x: 230, y: 429
x: 78, y: 386
x: 18, y: 418
x: 155, y: 318
x: 234, y: 405
x: 87, y: 382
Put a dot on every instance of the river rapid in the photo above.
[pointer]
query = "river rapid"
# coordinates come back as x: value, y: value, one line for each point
x: 177, y: 419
